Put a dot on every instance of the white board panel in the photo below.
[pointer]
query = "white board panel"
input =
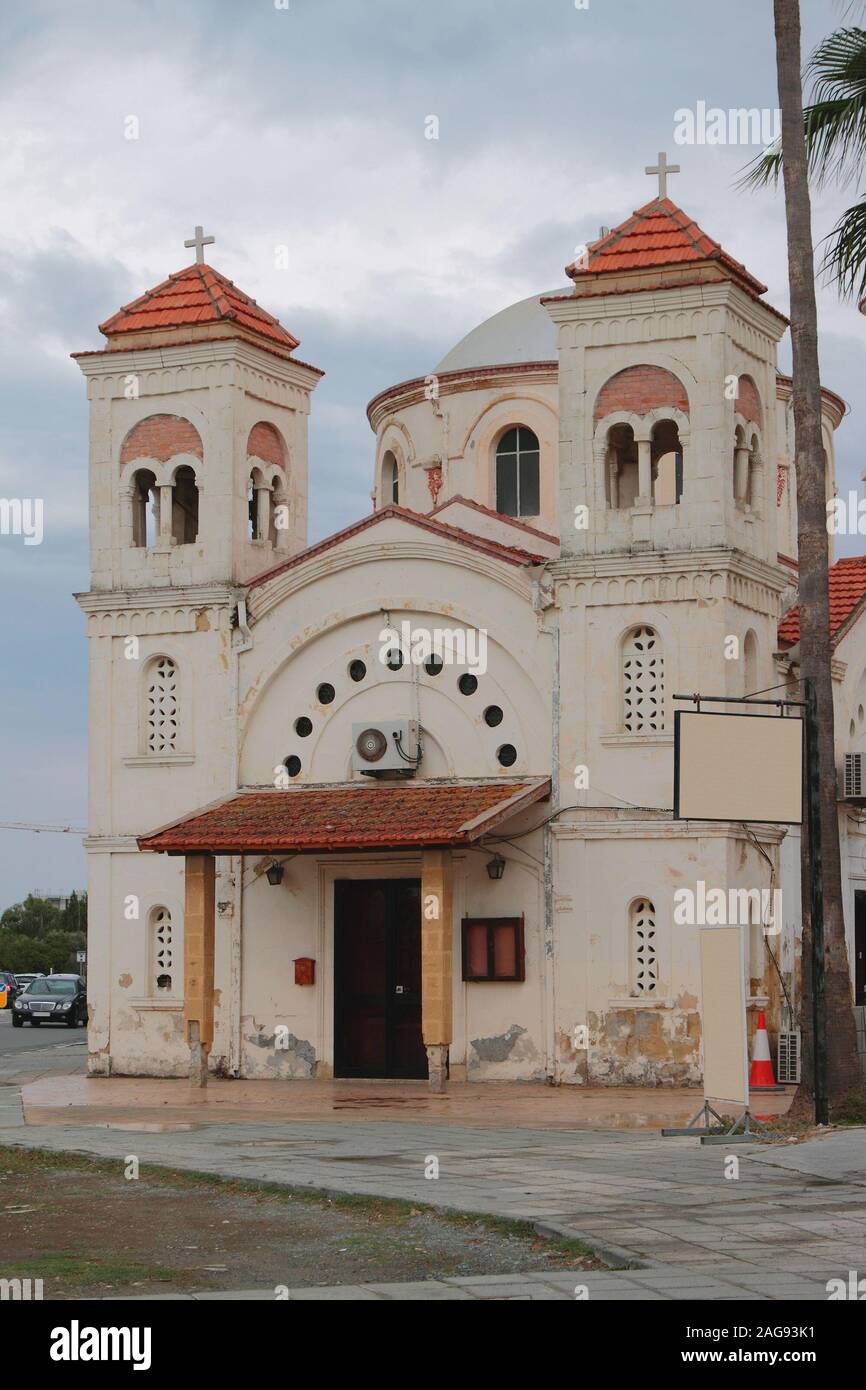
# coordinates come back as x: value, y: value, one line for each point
x: 723, y: 1015
x: 739, y: 767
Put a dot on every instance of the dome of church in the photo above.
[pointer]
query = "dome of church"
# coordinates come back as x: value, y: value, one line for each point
x: 524, y: 332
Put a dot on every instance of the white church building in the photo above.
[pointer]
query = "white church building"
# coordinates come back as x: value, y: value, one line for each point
x: 399, y: 803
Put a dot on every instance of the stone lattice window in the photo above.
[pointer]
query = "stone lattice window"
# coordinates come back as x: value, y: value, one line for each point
x: 161, y: 950
x: 643, y: 682
x: 643, y: 948
x: 162, y: 706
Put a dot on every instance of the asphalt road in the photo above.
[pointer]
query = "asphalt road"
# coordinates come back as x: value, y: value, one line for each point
x: 28, y: 1038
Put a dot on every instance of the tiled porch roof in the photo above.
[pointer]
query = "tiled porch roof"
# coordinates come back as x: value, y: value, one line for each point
x: 354, y: 817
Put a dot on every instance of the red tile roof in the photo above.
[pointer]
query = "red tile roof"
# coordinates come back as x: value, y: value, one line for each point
x: 197, y: 295
x: 513, y: 555
x: 658, y: 234
x: 382, y: 815
x: 847, y: 583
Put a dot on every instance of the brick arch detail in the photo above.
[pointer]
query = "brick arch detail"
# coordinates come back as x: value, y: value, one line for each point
x: 749, y: 402
x: 639, y: 390
x: 264, y: 442
x: 161, y: 437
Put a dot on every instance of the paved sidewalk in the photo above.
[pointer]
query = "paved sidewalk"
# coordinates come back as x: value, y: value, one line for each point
x: 793, y: 1218
x: 650, y: 1285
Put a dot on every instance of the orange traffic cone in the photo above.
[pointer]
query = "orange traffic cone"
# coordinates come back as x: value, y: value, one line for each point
x: 761, y: 1076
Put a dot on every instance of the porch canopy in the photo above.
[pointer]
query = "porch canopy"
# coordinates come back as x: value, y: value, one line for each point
x: 316, y: 819
x: 433, y: 817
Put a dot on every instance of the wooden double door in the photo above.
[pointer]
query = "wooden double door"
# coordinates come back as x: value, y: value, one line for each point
x: 377, y: 978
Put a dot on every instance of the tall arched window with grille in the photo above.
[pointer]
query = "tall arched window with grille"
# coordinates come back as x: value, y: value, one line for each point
x: 643, y: 682
x: 161, y: 952
x: 162, y: 701
x: 517, y: 485
x: 643, y: 948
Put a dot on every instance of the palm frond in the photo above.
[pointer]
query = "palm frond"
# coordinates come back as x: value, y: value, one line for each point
x: 835, y: 120
x: 844, y: 261
x: 834, y: 123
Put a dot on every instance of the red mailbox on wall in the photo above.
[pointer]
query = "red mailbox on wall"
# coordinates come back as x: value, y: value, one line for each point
x: 305, y: 971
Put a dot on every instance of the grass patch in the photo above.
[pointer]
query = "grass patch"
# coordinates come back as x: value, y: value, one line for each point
x: 850, y: 1111
x: 387, y: 1211
x: 66, y: 1266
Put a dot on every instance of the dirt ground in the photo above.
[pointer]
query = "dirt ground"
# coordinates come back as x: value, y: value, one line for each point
x: 87, y: 1231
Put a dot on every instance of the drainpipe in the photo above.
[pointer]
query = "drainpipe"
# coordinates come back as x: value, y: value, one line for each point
x: 236, y: 862
x: 549, y: 992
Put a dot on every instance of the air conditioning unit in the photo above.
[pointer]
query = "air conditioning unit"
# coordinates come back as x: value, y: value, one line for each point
x: 854, y: 778
x: 788, y: 1068
x: 388, y: 748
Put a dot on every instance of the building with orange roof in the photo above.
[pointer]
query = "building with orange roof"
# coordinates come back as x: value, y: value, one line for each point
x: 398, y: 803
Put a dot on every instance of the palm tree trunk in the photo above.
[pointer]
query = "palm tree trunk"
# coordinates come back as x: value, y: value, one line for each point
x: 843, y: 1067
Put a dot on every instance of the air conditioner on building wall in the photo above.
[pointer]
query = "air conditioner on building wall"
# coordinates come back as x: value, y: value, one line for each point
x: 854, y: 778
x: 788, y: 1068
x: 390, y: 748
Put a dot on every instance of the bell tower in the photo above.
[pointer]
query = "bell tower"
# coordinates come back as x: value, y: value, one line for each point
x: 198, y: 437
x: 667, y: 379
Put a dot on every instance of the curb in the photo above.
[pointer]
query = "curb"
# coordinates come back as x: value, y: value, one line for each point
x: 615, y: 1255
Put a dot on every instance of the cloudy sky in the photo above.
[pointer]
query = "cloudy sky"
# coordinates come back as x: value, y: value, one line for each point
x: 304, y: 126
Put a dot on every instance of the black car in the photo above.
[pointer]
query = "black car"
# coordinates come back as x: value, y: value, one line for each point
x: 53, y: 999
x: 9, y: 983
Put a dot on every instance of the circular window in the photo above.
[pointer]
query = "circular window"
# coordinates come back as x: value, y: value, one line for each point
x: 507, y: 755
x: 467, y: 685
x: 303, y: 726
x: 852, y: 729
x: 372, y: 745
x: 357, y: 670
x: 394, y: 659
x: 325, y: 694
x: 433, y: 665
x: 493, y: 716
x: 292, y: 765
x: 860, y: 713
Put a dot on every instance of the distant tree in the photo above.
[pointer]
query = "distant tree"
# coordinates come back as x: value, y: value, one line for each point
x: 22, y: 953
x: 34, y: 917
x: 75, y: 913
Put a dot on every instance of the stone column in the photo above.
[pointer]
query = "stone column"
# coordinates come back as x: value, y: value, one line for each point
x: 166, y: 503
x: 613, y: 475
x: 644, y: 471
x: 263, y: 513
x: 741, y: 476
x: 436, y: 933
x: 198, y: 962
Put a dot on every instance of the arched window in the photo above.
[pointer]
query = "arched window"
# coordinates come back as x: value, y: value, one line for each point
x: 145, y: 508
x: 161, y: 952
x: 666, y: 457
x: 184, y: 506
x: 162, y: 701
x: 622, y: 470
x: 390, y: 479
x: 517, y: 485
x: 643, y: 683
x: 278, y: 511
x: 747, y: 470
x: 643, y: 948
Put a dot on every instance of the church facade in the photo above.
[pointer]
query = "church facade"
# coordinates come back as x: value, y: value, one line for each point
x: 398, y: 803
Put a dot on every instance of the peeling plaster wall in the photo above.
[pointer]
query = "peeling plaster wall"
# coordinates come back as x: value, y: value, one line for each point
x: 280, y: 923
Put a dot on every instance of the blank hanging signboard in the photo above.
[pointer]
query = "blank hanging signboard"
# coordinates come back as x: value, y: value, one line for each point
x: 739, y: 767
